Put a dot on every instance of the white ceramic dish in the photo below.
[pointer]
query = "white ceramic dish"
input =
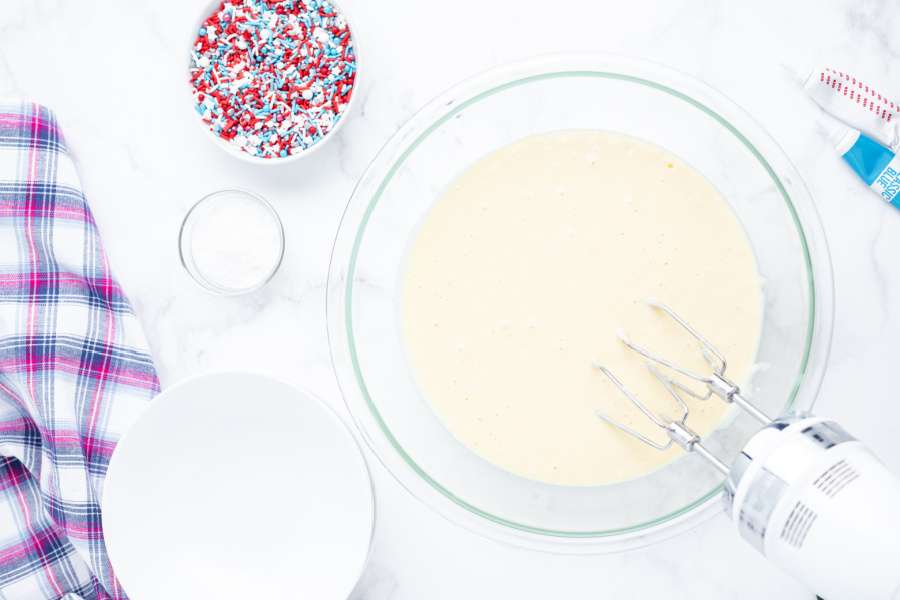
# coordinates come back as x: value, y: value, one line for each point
x: 256, y: 160
x: 236, y: 485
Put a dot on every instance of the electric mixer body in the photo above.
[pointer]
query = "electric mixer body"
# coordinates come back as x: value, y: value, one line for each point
x: 816, y: 502
x: 806, y: 494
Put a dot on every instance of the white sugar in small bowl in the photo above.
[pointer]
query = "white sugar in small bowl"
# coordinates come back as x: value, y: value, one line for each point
x: 231, y: 242
x: 233, y: 149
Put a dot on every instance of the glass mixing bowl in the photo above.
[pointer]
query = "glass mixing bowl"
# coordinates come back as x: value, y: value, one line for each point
x: 490, y: 111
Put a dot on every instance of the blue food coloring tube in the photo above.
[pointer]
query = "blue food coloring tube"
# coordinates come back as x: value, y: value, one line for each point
x: 875, y: 164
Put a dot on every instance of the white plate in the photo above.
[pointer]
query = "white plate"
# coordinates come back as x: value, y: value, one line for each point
x: 236, y: 485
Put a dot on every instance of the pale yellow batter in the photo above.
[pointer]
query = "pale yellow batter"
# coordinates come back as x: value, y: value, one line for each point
x: 523, y: 272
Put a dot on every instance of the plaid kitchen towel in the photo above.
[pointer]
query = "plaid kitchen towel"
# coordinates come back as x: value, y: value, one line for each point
x: 74, y: 368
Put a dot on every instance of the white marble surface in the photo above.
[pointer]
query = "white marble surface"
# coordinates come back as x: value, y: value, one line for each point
x: 114, y: 72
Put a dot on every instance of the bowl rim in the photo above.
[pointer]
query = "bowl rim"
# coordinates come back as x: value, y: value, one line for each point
x: 235, y: 152
x: 339, y: 288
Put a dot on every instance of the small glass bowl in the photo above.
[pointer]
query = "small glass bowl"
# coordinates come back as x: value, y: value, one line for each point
x: 201, y: 211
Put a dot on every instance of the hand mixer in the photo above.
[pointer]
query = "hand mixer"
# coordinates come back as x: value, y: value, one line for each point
x: 806, y: 494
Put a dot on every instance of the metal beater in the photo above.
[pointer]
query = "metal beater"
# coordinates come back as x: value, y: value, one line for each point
x: 806, y: 494
x: 678, y: 431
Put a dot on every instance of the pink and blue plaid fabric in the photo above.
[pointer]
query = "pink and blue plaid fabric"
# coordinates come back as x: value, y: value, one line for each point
x: 75, y: 371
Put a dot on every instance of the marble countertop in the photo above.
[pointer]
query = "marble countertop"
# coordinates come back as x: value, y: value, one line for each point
x: 114, y: 72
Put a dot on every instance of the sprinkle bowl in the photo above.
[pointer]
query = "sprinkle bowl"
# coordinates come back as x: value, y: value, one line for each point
x: 302, y: 150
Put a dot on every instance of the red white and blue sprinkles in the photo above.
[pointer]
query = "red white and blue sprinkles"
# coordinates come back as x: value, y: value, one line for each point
x: 273, y: 77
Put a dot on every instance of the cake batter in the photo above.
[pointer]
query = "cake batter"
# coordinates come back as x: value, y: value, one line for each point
x: 523, y: 272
